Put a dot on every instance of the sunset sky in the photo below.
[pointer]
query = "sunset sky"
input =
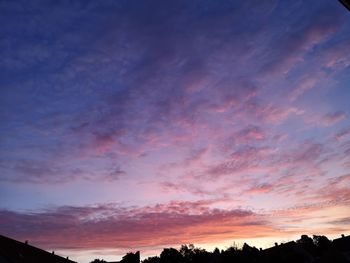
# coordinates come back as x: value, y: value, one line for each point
x: 136, y: 125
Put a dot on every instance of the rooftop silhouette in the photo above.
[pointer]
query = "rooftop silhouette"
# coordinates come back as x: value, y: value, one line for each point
x: 13, y: 251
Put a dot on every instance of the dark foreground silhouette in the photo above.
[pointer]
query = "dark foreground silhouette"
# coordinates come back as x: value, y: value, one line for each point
x: 13, y: 251
x: 318, y: 249
x: 346, y: 3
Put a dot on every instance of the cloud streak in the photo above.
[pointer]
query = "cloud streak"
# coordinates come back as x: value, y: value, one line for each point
x: 112, y: 226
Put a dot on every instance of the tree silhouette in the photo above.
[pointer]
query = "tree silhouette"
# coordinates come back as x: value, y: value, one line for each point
x: 171, y: 255
x: 321, y: 242
x: 318, y: 249
x: 98, y: 261
x: 131, y: 258
x: 307, y: 243
x: 152, y: 260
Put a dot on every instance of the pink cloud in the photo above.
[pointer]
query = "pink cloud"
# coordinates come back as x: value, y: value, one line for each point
x: 336, y: 57
x: 117, y: 227
x: 306, y: 153
x: 260, y: 189
x: 246, y: 158
x: 248, y: 135
x: 332, y: 118
x: 303, y: 86
x: 296, y: 44
x: 269, y: 113
x: 312, y: 119
x: 342, y: 135
x: 332, y: 192
x: 196, y: 156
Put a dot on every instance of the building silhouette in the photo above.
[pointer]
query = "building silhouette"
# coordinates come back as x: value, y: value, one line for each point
x: 13, y: 251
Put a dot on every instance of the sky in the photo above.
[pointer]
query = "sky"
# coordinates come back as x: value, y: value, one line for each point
x: 137, y: 125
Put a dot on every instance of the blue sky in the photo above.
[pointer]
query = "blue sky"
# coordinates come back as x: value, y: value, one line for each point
x: 126, y: 115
